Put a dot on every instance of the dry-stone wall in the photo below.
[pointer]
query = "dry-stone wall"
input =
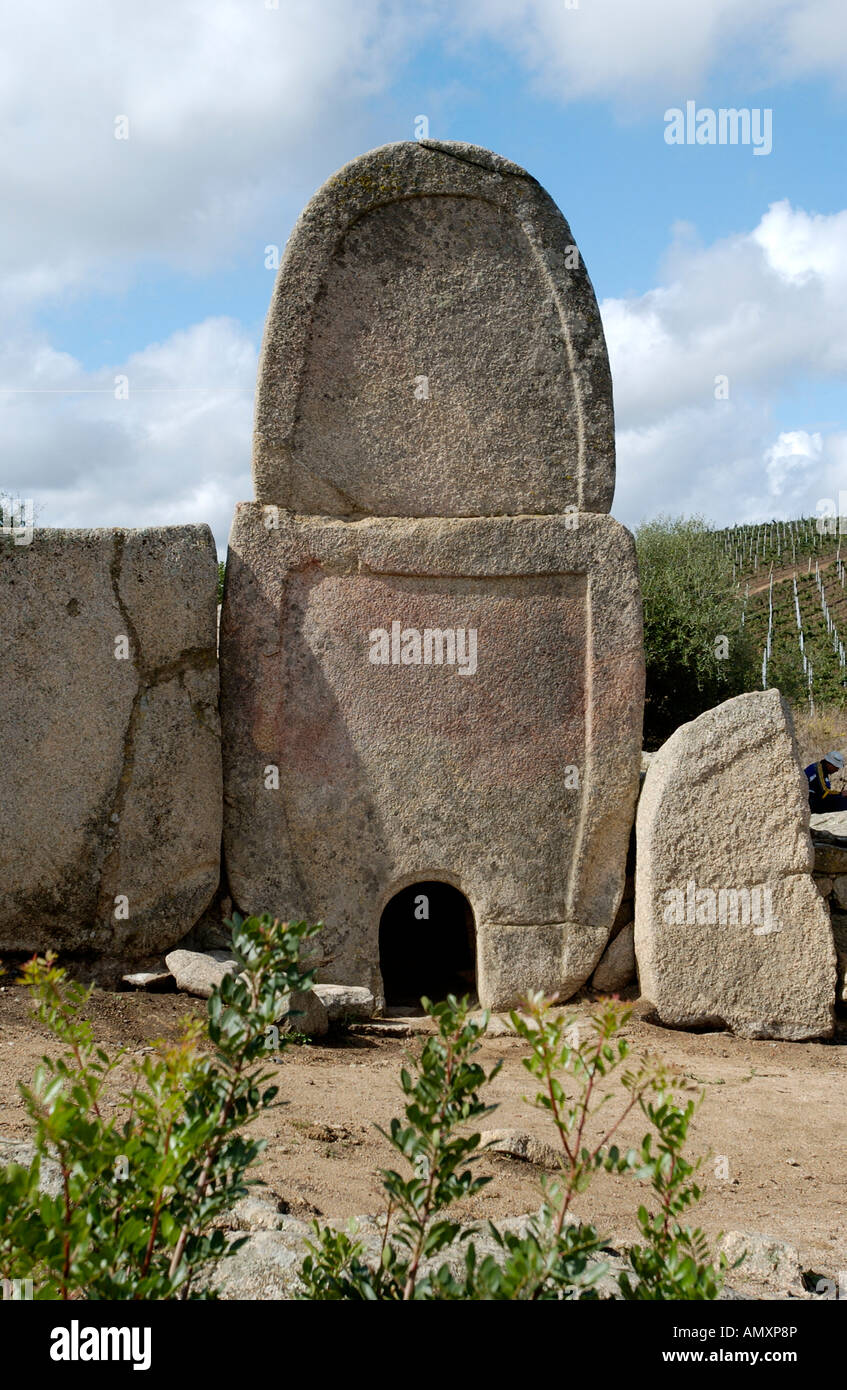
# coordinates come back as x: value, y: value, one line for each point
x: 730, y: 928
x: 431, y: 654
x: 110, y: 814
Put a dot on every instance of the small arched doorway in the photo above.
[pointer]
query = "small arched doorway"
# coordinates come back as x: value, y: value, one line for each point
x: 427, y: 944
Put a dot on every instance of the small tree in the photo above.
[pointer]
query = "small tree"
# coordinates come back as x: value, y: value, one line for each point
x: 557, y: 1257
x: 696, y: 651
x: 139, y: 1189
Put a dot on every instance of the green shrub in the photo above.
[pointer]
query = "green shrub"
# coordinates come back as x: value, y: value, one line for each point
x: 689, y: 603
x: 557, y: 1257
x: 141, y: 1188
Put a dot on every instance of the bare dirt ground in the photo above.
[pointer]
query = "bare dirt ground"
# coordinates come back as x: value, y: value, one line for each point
x: 774, y: 1120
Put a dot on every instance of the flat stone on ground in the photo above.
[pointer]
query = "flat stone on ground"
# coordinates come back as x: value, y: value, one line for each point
x: 152, y: 980
x: 198, y: 972
x: 345, y: 1001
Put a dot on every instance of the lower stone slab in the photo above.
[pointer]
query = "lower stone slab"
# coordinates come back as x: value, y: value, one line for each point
x: 110, y: 814
x: 516, y: 959
x: 456, y: 700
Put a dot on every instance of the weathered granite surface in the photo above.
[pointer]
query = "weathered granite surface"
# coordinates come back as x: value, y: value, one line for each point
x: 724, y: 809
x: 433, y: 347
x: 110, y: 812
x: 348, y: 780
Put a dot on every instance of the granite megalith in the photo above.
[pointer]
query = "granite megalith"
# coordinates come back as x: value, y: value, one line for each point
x: 432, y: 313
x: 110, y: 816
x: 431, y: 649
x: 730, y: 929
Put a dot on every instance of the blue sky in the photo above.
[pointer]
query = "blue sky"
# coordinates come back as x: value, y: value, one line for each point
x: 145, y: 256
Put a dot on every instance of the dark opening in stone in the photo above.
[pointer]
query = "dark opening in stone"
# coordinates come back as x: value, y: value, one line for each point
x: 427, y: 945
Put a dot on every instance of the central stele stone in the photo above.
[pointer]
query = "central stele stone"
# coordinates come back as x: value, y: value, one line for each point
x: 431, y: 632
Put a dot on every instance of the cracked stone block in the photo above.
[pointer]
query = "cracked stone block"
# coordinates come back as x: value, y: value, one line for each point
x: 432, y: 313
x: 345, y: 1002
x: 110, y: 815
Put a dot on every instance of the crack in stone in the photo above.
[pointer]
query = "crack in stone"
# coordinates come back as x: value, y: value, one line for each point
x: 435, y: 147
x: 128, y: 751
x: 115, y: 577
x: 191, y: 658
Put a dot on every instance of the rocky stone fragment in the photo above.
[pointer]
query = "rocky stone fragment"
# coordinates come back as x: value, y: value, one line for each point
x: 392, y: 1028
x: 253, y: 1213
x: 153, y: 981
x: 617, y: 966
x: 829, y: 825
x: 22, y: 1151
x: 304, y: 1012
x: 517, y: 1143
x: 345, y: 1002
x: 266, y: 1267
x: 200, y: 972
x: 730, y: 930
x: 767, y: 1261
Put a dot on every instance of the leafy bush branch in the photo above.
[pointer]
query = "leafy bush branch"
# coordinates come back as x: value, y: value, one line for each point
x: 139, y: 1190
x: 556, y: 1257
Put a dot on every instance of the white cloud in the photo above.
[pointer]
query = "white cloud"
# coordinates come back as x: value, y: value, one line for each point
x: 233, y: 108
x: 176, y: 450
x: 814, y: 40
x: 765, y: 311
x: 800, y: 246
x: 791, y: 459
x: 628, y: 51
x: 237, y: 110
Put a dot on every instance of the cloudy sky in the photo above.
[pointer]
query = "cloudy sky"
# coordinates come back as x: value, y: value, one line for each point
x: 721, y: 273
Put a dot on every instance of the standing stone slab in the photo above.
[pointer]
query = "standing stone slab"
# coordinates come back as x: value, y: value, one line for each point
x: 109, y: 766
x: 729, y: 926
x: 346, y: 780
x: 433, y: 458
x: 432, y: 311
